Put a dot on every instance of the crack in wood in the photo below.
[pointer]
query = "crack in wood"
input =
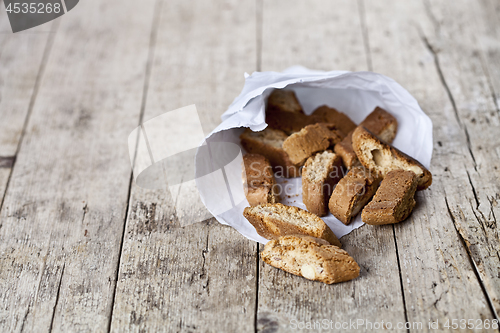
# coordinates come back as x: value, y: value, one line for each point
x: 24, y: 318
x: 7, y: 161
x: 203, y: 273
x: 466, y: 245
x: 364, y: 32
x: 473, y: 189
x: 57, y: 299
x: 400, y: 274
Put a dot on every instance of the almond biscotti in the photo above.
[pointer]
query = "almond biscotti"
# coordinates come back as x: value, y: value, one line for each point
x: 319, y: 175
x: 284, y: 111
x: 311, y: 139
x: 259, y: 182
x: 269, y: 143
x: 394, y: 199
x: 274, y: 220
x: 379, y: 122
x: 382, y: 158
x: 326, y: 114
x: 311, y: 258
x: 352, y: 193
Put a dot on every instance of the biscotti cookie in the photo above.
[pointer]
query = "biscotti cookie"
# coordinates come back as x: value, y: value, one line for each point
x: 352, y: 193
x: 284, y: 111
x: 325, y: 114
x: 311, y: 258
x: 269, y: 143
x: 319, y: 175
x: 274, y: 220
x: 311, y: 139
x: 383, y: 158
x: 259, y: 182
x: 379, y: 122
x: 284, y: 100
x: 394, y: 199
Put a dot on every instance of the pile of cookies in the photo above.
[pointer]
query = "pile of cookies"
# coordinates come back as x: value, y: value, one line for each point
x: 346, y: 169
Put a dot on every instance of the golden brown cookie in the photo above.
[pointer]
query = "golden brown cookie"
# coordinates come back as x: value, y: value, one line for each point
x: 394, y: 199
x: 311, y: 258
x: 269, y: 143
x: 319, y: 176
x: 352, y: 193
x: 381, y: 158
x: 274, y: 220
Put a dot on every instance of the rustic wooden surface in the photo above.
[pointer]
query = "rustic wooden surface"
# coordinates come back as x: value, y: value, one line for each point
x: 83, y: 248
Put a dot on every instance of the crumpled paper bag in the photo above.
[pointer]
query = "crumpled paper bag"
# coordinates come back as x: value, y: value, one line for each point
x: 219, y: 170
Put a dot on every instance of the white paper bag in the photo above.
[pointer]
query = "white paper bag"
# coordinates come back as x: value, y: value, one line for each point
x: 219, y: 178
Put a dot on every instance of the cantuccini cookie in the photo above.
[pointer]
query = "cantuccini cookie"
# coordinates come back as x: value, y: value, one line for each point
x: 309, y: 140
x: 311, y: 258
x: 326, y: 114
x: 320, y: 174
x: 379, y: 122
x: 284, y: 111
x: 394, y: 199
x: 269, y: 143
x: 382, y: 158
x: 352, y: 193
x: 274, y: 220
x: 259, y: 182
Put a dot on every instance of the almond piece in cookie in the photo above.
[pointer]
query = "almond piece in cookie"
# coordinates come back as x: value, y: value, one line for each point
x: 394, y: 199
x: 352, y: 193
x: 325, y: 114
x: 319, y: 176
x: 274, y: 220
x: 259, y: 182
x: 379, y: 122
x: 382, y: 158
x: 311, y: 139
x: 311, y: 258
x: 269, y: 143
x: 284, y: 111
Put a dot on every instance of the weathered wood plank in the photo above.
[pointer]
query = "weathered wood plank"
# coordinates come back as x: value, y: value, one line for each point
x: 199, y: 277
x: 327, y: 35
x: 438, y: 279
x: 467, y: 48
x: 64, y: 211
x: 20, y: 66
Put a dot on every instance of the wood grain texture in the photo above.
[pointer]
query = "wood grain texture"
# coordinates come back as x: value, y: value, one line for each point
x: 63, y: 215
x: 439, y: 281
x: 327, y: 35
x: 175, y: 275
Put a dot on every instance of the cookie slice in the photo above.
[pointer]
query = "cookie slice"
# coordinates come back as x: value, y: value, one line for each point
x: 311, y: 258
x: 259, y: 183
x: 284, y: 111
x: 352, y: 193
x: 383, y: 158
x: 319, y: 175
x: 269, y: 143
x: 311, y: 139
x: 379, y: 122
x: 394, y: 199
x: 274, y: 220
x: 325, y: 114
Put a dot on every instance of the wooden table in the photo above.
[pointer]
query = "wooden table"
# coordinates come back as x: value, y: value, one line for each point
x: 83, y: 248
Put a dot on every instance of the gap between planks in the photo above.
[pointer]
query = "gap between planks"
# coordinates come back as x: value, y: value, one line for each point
x: 149, y: 65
